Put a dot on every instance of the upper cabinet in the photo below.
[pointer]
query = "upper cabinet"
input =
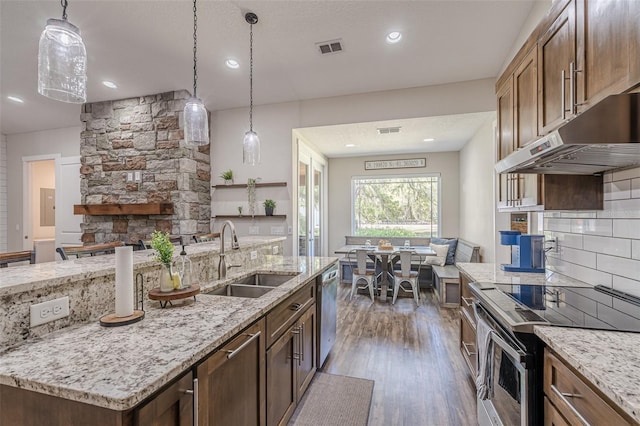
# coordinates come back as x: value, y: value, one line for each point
x: 557, y: 59
x: 525, y: 100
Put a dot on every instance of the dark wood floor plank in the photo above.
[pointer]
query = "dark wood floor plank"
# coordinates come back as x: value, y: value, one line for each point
x: 412, y: 353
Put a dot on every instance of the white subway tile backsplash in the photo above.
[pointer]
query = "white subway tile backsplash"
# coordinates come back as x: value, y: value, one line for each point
x: 579, y: 257
x: 565, y: 239
x: 626, y: 228
x: 560, y: 225
x: 607, y: 177
x: 635, y: 188
x: 628, y: 268
x: 635, y: 249
x: 626, y: 174
x: 626, y: 285
x: 592, y: 226
x: 614, y: 246
x: 617, y: 190
x: 621, y: 209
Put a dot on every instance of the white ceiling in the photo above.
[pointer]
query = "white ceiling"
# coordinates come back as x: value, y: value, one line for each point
x: 146, y: 47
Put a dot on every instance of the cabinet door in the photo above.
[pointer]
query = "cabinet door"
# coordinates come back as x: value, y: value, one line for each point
x: 525, y: 100
x: 468, y: 342
x: 556, y: 51
x: 504, y: 137
x: 306, y: 339
x: 605, y: 31
x: 530, y: 188
x: 171, y: 407
x: 282, y: 358
x: 232, y: 382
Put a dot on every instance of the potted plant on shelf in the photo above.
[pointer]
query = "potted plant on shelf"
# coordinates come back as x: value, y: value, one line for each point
x: 269, y: 205
x: 161, y: 243
x: 227, y: 176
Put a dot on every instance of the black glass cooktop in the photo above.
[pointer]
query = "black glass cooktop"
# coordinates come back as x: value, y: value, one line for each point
x: 596, y: 307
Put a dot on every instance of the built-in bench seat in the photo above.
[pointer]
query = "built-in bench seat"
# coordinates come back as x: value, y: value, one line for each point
x: 446, y: 279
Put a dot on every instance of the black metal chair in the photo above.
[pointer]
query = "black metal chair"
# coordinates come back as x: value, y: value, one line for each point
x: 205, y: 238
x: 91, y: 250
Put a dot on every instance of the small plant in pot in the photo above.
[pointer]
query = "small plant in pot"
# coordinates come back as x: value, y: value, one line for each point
x: 269, y: 205
x: 227, y: 176
x: 161, y: 243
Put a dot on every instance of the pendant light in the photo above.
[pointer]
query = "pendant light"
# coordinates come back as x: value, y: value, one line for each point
x: 62, y: 61
x: 196, y: 119
x: 251, y: 143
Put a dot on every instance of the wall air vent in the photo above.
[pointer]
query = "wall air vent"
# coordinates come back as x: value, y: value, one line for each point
x: 332, y: 46
x: 388, y: 130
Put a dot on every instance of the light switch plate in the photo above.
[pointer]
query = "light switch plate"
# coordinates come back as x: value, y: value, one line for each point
x: 277, y: 230
x: 274, y: 249
x: 51, y: 310
x: 254, y: 255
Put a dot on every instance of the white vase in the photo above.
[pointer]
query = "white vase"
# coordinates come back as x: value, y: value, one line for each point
x: 166, y: 279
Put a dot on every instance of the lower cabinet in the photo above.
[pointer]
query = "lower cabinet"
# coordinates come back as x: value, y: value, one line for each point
x: 174, y: 406
x: 291, y: 364
x: 232, y: 381
x: 468, y: 325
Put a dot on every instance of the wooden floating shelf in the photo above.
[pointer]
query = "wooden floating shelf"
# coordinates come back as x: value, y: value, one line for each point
x: 244, y: 185
x: 258, y: 216
x: 123, y: 209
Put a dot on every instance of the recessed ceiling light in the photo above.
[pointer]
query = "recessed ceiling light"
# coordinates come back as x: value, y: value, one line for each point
x: 232, y: 63
x: 350, y: 145
x: 110, y: 84
x: 394, y: 37
x: 428, y: 140
x: 15, y: 99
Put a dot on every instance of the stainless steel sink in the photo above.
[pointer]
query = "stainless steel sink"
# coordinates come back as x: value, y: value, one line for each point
x: 265, y: 279
x: 241, y: 290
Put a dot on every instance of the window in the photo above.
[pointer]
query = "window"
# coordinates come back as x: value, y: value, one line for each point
x: 396, y: 206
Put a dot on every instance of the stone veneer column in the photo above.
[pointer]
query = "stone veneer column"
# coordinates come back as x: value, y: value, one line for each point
x: 142, y: 134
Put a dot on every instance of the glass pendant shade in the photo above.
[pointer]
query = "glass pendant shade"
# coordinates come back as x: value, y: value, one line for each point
x: 251, y: 148
x: 62, y: 63
x: 196, y: 123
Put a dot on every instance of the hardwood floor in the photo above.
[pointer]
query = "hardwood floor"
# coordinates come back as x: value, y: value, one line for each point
x: 412, y: 355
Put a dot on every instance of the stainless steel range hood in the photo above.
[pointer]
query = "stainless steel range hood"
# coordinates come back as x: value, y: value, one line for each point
x: 605, y: 137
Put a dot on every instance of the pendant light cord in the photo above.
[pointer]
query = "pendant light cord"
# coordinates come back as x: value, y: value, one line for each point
x: 64, y: 4
x: 251, y: 78
x: 195, y: 49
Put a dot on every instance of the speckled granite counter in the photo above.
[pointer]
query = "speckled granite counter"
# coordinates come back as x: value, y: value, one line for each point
x: 117, y: 368
x: 491, y: 272
x: 608, y: 359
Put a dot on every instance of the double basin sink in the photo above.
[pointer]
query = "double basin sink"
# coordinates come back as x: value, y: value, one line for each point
x: 253, y: 286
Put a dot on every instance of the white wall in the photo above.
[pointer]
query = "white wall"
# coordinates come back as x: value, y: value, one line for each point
x: 342, y: 169
x: 65, y: 141
x: 43, y: 175
x: 477, y: 201
x: 274, y: 124
x: 601, y: 247
x: 3, y: 193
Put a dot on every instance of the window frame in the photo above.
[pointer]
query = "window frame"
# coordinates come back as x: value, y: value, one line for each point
x: 397, y: 176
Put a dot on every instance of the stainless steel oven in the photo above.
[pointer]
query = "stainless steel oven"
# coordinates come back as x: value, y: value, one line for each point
x: 508, y: 372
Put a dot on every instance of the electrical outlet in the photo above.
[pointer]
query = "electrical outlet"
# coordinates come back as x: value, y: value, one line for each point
x: 254, y: 255
x: 277, y: 230
x: 254, y: 230
x: 129, y: 176
x: 290, y: 230
x: 48, y: 311
x: 274, y: 250
x: 137, y: 176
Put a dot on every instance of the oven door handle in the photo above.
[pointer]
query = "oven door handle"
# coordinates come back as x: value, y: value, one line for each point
x: 516, y: 354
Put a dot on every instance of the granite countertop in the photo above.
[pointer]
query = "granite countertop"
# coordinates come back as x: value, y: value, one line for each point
x: 119, y: 367
x: 20, y: 279
x: 491, y: 272
x: 608, y: 359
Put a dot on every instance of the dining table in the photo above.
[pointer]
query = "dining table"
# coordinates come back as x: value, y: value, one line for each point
x: 385, y: 254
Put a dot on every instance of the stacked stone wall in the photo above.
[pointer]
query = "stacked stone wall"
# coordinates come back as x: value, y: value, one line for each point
x: 142, y: 134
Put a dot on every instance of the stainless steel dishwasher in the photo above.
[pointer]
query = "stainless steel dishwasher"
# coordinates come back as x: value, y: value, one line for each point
x: 327, y: 287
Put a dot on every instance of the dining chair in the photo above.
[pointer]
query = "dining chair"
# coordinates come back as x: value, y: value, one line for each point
x: 405, y: 274
x: 90, y: 250
x: 176, y: 240
x: 361, y: 272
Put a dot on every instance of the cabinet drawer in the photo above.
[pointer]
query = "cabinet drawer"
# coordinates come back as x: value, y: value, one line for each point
x: 574, y: 398
x: 551, y: 416
x: 287, y: 312
x: 466, y: 298
x: 468, y: 343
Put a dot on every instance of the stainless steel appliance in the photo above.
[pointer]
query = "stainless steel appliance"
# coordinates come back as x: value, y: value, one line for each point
x: 326, y: 303
x: 515, y: 354
x: 605, y: 137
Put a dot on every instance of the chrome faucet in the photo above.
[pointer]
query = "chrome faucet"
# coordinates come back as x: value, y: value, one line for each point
x: 222, y: 265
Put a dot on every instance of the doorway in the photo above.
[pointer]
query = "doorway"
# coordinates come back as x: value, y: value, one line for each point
x: 311, y: 202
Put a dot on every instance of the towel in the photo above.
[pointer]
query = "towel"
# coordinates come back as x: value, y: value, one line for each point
x: 485, y: 358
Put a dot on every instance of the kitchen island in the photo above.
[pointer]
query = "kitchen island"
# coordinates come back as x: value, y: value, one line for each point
x: 119, y: 368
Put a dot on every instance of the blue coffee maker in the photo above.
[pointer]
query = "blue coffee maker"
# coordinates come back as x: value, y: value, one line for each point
x: 527, y: 252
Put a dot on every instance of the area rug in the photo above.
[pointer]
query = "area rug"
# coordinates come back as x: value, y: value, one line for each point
x: 333, y: 400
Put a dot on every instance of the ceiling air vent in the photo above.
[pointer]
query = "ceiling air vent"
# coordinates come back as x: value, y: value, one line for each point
x: 388, y: 130
x: 333, y: 46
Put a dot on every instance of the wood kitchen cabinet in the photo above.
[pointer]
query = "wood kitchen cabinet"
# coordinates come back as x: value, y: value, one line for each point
x: 173, y: 406
x: 525, y: 100
x: 306, y: 367
x: 232, y: 381
x: 572, y: 400
x: 468, y: 325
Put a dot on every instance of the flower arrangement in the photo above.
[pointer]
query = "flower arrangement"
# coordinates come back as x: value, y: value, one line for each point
x: 161, y: 243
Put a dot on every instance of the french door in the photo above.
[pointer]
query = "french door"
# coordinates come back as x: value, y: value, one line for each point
x: 311, y: 198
